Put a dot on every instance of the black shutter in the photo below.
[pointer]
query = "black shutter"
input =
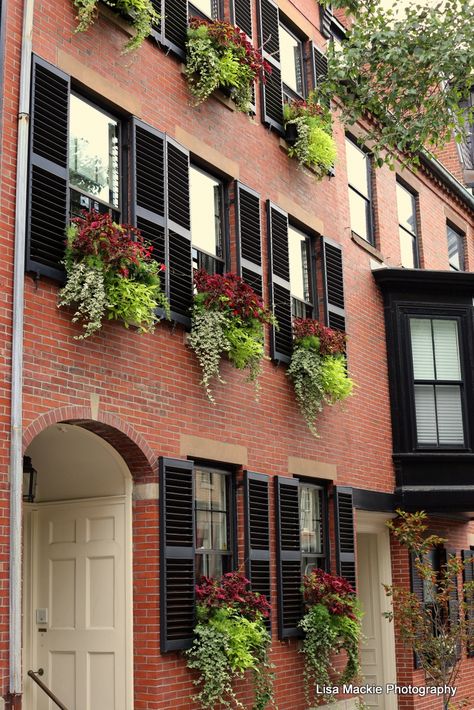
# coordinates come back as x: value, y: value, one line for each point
x: 418, y: 588
x: 257, y: 532
x: 345, y: 540
x: 176, y: 554
x: 279, y: 281
x: 325, y: 20
x: 48, y: 195
x: 171, y: 29
x: 333, y: 285
x: 290, y: 603
x: 453, y: 601
x: 179, y: 231
x: 249, y: 238
x: 272, y: 96
x: 242, y: 16
x: 468, y: 577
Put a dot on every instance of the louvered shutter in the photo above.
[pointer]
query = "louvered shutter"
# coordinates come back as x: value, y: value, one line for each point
x: 177, y: 549
x: 418, y: 588
x: 48, y: 195
x: 249, y: 238
x: 468, y: 578
x: 171, y: 29
x: 179, y: 231
x: 325, y: 21
x: 333, y: 285
x: 272, y: 96
x: 279, y: 281
x: 257, y: 532
x: 242, y: 15
x: 290, y: 602
x: 453, y: 601
x: 345, y: 539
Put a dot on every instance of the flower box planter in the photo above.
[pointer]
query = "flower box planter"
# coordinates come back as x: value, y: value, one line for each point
x: 308, y: 133
x: 139, y: 14
x: 291, y: 133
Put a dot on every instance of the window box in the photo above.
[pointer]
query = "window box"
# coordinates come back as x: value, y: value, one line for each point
x: 309, y: 126
x: 140, y: 13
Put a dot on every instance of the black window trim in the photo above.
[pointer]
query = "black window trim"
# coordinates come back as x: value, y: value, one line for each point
x: 204, y: 167
x: 370, y: 200
x: 416, y: 236
x: 322, y: 486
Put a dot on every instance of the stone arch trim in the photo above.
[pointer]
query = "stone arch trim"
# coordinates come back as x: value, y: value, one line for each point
x: 130, y: 444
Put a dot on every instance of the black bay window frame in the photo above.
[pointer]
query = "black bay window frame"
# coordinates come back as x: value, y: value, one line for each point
x: 370, y: 199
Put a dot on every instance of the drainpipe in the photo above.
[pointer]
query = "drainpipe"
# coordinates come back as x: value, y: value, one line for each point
x: 16, y: 443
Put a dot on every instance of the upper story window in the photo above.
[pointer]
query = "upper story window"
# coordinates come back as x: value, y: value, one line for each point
x: 408, y: 228
x: 312, y: 527
x: 291, y: 58
x: 437, y: 382
x: 207, y: 224
x: 455, y: 248
x: 209, y: 9
x: 213, y: 522
x: 359, y: 177
x: 94, y: 169
x: 300, y: 273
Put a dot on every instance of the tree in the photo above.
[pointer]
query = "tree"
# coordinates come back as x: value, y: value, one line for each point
x: 408, y: 69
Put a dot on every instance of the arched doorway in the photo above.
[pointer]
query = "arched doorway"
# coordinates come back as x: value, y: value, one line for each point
x: 78, y: 572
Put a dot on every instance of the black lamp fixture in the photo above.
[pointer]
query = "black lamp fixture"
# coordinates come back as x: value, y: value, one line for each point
x: 29, y: 480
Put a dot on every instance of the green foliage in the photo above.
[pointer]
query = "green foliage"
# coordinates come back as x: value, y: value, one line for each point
x: 208, y: 339
x: 336, y: 384
x: 140, y: 13
x: 314, y: 146
x: 132, y: 302
x: 226, y: 645
x: 409, y: 68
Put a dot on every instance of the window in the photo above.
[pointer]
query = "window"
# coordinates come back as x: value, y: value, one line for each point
x: 437, y: 382
x: 205, y: 8
x: 291, y: 57
x: 359, y: 177
x: 455, y: 249
x: 406, y: 203
x: 312, y: 528
x: 213, y: 530
x: 206, y: 204
x: 94, y: 176
x: 300, y: 273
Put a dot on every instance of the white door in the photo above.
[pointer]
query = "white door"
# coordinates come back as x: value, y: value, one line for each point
x: 79, y: 605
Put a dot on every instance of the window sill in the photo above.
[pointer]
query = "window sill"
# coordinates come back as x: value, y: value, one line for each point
x: 364, y: 244
x: 116, y: 19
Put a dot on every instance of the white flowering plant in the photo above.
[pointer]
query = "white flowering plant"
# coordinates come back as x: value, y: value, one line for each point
x: 111, y: 274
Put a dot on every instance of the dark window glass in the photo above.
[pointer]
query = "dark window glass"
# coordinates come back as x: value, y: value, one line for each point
x: 300, y: 273
x: 455, y: 249
x: 206, y: 199
x: 94, y: 171
x: 312, y: 527
x: 213, y: 528
x: 406, y: 204
x: 438, y: 384
x: 291, y: 58
x: 358, y: 175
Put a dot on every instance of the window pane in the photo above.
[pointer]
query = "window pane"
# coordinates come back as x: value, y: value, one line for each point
x: 93, y: 152
x: 310, y: 519
x: 422, y: 349
x: 425, y: 411
x: 219, y: 531
x: 357, y: 172
x: 359, y: 214
x: 205, y: 6
x: 446, y: 343
x: 449, y: 410
x: 203, y: 530
x: 291, y: 61
x: 407, y: 249
x: 205, y: 200
x: 209, y: 566
x: 455, y: 249
x: 406, y: 209
x: 299, y: 258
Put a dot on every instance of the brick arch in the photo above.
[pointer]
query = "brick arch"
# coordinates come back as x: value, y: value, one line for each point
x: 130, y: 444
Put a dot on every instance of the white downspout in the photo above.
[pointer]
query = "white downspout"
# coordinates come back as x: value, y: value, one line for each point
x: 16, y: 443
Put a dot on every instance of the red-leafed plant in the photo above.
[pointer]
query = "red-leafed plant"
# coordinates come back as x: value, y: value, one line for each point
x: 230, y: 639
x: 318, y: 368
x: 219, y: 55
x: 228, y: 317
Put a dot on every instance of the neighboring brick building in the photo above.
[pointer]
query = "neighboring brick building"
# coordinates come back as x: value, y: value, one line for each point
x: 101, y: 614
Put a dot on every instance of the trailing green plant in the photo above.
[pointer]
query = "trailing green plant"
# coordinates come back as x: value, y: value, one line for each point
x: 227, y: 318
x: 314, y: 146
x: 110, y: 274
x: 230, y: 639
x: 318, y: 368
x: 331, y: 624
x: 219, y: 55
x: 140, y: 13
x: 409, y: 68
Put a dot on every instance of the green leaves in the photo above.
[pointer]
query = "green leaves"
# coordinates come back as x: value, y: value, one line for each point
x: 140, y: 13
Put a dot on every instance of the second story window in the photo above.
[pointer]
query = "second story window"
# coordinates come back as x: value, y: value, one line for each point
x: 208, y: 9
x: 291, y: 58
x: 300, y: 273
x: 94, y: 178
x: 408, y: 229
x: 207, y: 232
x: 359, y: 178
x: 312, y: 527
x: 213, y: 522
x: 437, y: 382
x: 455, y: 248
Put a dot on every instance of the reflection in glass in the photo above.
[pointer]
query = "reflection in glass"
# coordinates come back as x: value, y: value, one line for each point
x: 357, y: 173
x: 310, y: 520
x: 359, y: 214
x: 206, y: 218
x: 291, y: 61
x: 406, y: 205
x: 93, y: 152
x: 204, y: 6
x: 407, y: 249
x: 455, y: 249
x: 298, y: 245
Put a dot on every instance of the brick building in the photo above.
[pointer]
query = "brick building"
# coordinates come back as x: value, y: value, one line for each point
x: 107, y: 588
